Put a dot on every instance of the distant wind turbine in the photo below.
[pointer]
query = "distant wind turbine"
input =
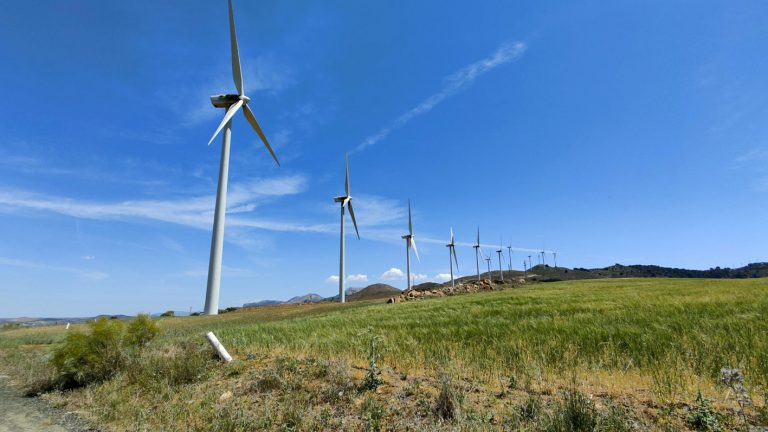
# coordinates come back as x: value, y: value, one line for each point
x: 530, y: 264
x: 233, y: 103
x: 500, y: 252
x: 509, y: 249
x: 452, y: 257
x: 488, y: 261
x: 409, y: 242
x: 346, y: 201
x: 543, y: 258
x: 554, y: 255
x: 478, y: 252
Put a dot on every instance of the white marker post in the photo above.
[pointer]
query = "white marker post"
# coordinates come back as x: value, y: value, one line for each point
x: 67, y: 327
x: 220, y: 350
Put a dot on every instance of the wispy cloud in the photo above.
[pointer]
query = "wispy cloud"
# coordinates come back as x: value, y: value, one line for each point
x: 195, y: 212
x: 452, y: 85
x: 88, y: 274
x: 357, y: 278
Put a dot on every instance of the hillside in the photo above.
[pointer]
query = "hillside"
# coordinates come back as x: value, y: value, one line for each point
x: 372, y: 292
x: 628, y: 352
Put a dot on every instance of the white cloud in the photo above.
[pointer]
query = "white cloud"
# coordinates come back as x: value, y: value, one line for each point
x: 452, y: 85
x: 195, y: 211
x: 419, y: 277
x: 334, y: 279
x: 442, y: 277
x: 357, y: 278
x: 88, y: 274
x: 393, y: 274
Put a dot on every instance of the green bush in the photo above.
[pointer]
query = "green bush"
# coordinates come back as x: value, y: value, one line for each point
x: 141, y: 330
x: 86, y: 358
x: 177, y: 364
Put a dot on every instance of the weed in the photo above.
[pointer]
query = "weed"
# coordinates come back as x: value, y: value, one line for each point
x: 702, y: 417
x: 372, y: 413
x: 530, y: 410
x: 575, y: 413
x: 373, y: 379
x: 449, y: 400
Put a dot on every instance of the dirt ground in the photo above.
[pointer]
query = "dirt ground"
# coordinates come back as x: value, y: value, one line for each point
x: 24, y: 414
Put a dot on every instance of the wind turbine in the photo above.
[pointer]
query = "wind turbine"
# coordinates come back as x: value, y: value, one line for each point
x: 509, y: 248
x: 409, y: 242
x: 530, y: 264
x: 543, y: 258
x: 346, y: 201
x: 488, y: 261
x: 478, y: 252
x: 554, y: 255
x: 233, y: 103
x: 452, y: 254
x: 501, y: 272
x: 525, y: 270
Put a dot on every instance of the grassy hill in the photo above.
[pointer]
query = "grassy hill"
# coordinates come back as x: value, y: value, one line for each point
x: 372, y: 292
x: 618, y: 351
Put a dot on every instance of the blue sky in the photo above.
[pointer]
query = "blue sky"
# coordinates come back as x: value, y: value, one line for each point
x: 629, y: 132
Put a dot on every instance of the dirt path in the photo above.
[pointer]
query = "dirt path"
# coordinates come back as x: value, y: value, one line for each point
x: 23, y: 414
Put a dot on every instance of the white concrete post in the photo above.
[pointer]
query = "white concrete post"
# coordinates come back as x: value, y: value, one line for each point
x: 220, y: 350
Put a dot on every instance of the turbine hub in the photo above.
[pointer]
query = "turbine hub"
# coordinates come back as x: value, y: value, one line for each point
x: 224, y: 101
x: 245, y: 99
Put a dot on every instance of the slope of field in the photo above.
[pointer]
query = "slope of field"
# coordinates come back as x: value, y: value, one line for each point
x: 645, y: 347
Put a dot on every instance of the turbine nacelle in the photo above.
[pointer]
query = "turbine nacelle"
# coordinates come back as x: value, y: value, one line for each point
x: 227, y: 100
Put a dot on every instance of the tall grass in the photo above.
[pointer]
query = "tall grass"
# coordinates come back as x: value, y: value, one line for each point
x: 670, y: 335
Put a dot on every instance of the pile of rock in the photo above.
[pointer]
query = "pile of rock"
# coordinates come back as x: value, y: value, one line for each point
x: 467, y: 287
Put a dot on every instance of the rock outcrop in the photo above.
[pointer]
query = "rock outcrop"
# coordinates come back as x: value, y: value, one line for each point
x: 467, y: 287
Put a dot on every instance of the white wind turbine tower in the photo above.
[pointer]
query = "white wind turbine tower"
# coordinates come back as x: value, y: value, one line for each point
x: 452, y: 257
x: 509, y: 248
x: 346, y: 201
x: 554, y: 255
x: 478, y: 252
x: 488, y: 262
x: 500, y: 251
x: 233, y: 103
x: 543, y: 258
x: 409, y: 242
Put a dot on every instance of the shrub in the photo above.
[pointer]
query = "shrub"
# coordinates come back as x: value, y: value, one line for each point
x: 86, y: 358
x: 99, y: 355
x: 169, y: 313
x: 141, y: 330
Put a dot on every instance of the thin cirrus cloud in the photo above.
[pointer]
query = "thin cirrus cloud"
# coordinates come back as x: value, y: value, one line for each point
x: 87, y: 274
x: 334, y: 279
x: 452, y: 85
x: 195, y: 212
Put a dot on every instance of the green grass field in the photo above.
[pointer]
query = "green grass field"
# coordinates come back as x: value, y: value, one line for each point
x: 644, y: 347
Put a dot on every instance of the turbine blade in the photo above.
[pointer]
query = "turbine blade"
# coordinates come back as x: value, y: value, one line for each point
x: 236, y: 72
x: 478, y: 236
x: 346, y: 175
x: 415, y: 250
x: 452, y: 241
x: 410, y: 225
x: 352, y: 214
x: 227, y: 117
x: 456, y: 260
x: 252, y: 120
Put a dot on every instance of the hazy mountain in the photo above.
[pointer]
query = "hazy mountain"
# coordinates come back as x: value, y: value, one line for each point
x: 306, y: 298
x: 262, y: 303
